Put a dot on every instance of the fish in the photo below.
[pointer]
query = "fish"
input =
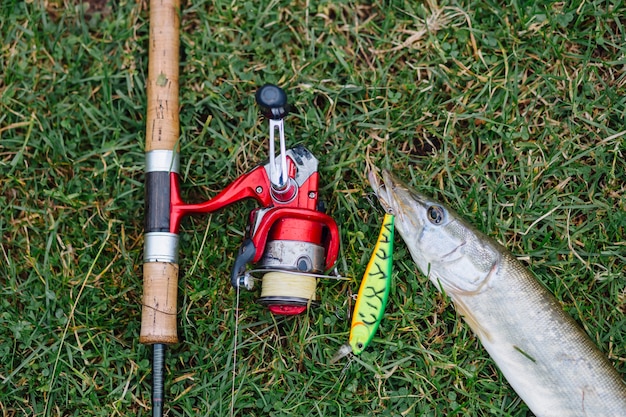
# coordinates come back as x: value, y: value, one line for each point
x: 373, y: 293
x: 542, y: 352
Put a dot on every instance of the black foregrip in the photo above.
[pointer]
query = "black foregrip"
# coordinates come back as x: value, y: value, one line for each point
x: 157, y: 208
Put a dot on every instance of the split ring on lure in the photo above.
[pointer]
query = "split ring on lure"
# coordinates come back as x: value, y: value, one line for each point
x: 373, y: 294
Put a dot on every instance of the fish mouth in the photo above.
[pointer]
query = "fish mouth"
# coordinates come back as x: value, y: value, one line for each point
x: 381, y: 188
x: 392, y: 193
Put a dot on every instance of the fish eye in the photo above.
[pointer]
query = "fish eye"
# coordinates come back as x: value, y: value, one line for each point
x: 435, y: 214
x: 359, y: 345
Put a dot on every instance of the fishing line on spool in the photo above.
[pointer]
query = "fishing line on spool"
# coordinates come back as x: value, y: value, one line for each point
x: 288, y: 285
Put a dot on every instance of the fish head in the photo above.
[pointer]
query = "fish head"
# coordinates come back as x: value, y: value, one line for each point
x: 450, y: 252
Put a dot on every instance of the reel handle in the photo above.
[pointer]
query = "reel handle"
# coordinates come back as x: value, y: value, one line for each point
x: 273, y: 101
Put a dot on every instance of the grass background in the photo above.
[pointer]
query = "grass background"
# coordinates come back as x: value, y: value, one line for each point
x: 512, y: 112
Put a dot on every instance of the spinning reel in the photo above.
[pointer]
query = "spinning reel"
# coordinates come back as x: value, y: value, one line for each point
x: 289, y: 238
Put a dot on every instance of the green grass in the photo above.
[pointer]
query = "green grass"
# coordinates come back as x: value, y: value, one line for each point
x: 513, y: 113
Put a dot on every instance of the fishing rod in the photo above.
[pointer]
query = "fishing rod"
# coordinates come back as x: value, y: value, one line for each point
x: 289, y: 238
x: 160, y: 267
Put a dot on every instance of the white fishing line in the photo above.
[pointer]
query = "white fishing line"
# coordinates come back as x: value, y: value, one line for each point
x: 232, y: 391
x: 336, y: 275
x: 339, y: 381
x: 201, y: 251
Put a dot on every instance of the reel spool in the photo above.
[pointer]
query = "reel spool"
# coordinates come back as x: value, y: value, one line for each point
x: 292, y: 255
x: 291, y: 247
x: 281, y: 290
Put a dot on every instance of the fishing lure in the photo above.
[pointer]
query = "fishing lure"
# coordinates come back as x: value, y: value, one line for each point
x: 373, y: 293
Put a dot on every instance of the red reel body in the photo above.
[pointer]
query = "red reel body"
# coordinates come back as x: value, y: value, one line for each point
x: 288, y: 233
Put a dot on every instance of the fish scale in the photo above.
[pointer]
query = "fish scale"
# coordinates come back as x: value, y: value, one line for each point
x: 542, y: 352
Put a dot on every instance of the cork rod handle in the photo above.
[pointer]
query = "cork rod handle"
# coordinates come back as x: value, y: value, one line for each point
x: 162, y: 125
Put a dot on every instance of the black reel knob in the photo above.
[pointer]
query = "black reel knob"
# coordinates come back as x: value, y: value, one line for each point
x: 273, y: 101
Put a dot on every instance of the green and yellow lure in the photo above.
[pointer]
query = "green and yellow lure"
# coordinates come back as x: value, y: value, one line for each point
x: 373, y: 293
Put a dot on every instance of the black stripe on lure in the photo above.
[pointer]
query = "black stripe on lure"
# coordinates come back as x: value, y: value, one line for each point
x: 373, y: 294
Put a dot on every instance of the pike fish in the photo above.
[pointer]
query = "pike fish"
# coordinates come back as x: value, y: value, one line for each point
x: 542, y: 352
